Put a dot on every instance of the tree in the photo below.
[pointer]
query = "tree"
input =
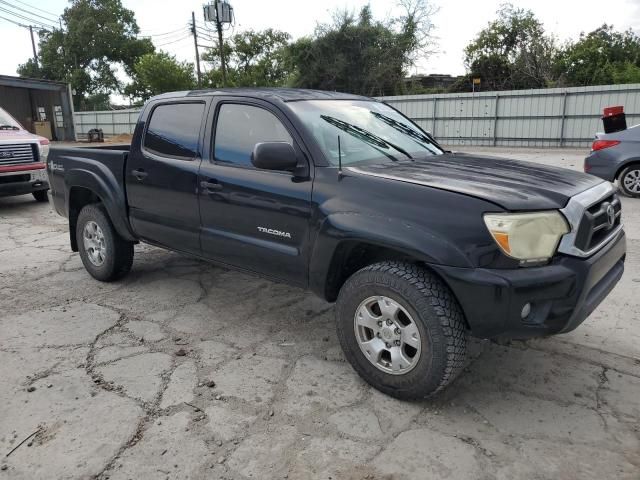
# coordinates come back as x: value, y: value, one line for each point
x: 601, y: 57
x: 156, y: 73
x: 100, y: 37
x: 512, y: 52
x: 361, y: 55
x: 254, y: 59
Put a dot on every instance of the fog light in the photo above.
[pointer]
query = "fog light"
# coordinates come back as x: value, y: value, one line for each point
x: 526, y: 310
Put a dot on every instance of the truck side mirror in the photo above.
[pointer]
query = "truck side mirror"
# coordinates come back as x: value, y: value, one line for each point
x: 274, y: 156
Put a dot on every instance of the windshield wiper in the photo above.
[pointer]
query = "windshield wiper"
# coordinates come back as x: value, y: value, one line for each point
x: 402, y: 128
x: 366, y: 136
x: 8, y: 127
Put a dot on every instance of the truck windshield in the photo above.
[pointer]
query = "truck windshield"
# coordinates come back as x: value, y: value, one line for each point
x: 367, y: 130
x: 7, y: 122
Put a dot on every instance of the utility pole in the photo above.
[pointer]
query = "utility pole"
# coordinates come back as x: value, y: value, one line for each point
x: 221, y: 45
x: 195, y: 43
x: 33, y: 45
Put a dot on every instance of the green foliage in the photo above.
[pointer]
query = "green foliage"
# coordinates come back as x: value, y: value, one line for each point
x: 601, y: 57
x: 156, y: 73
x: 254, y: 59
x: 98, y: 101
x: 512, y: 52
x: 361, y: 55
x: 99, y: 38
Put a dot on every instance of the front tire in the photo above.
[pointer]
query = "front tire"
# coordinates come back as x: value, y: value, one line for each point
x: 401, y: 329
x: 629, y: 180
x: 104, y: 253
x: 40, y: 196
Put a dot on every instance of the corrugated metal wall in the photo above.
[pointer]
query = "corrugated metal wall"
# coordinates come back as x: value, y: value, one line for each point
x: 554, y: 117
x: 112, y: 122
x: 565, y: 117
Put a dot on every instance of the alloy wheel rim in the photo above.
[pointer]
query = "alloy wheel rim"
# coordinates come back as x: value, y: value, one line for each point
x: 631, y: 181
x: 94, y: 244
x: 387, y: 335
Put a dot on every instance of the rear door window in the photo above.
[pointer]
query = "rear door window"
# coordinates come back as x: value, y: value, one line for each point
x: 240, y: 127
x: 174, y: 129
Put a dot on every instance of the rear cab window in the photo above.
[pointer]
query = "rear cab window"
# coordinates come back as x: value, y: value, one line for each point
x: 173, y: 130
x: 239, y: 127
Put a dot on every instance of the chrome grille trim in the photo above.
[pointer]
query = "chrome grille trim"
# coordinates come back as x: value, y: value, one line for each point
x: 20, y: 153
x: 574, y: 211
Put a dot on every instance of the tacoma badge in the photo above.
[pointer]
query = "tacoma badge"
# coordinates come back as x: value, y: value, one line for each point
x: 277, y: 233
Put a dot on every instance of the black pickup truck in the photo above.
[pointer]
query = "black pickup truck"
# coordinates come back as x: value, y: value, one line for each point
x: 347, y: 197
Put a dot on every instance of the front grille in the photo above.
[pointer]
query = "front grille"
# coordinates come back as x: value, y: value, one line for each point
x: 16, y: 154
x: 597, y: 223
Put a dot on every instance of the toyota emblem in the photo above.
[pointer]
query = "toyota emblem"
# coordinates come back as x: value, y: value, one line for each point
x: 611, y: 216
x: 6, y: 154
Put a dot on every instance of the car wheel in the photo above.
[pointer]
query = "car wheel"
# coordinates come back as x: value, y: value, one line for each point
x: 105, y: 255
x: 629, y: 180
x: 401, y: 329
x: 41, y: 196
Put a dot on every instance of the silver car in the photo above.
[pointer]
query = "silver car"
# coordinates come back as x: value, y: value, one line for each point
x: 616, y: 156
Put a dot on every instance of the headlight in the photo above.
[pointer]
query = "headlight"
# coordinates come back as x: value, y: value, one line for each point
x: 528, y: 237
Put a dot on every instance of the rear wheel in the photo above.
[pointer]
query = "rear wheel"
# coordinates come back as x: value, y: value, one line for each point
x: 104, y: 253
x: 629, y: 180
x: 401, y: 329
x: 40, y: 196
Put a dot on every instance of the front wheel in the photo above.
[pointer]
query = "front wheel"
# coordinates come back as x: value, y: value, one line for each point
x: 104, y: 253
x: 401, y: 329
x: 630, y: 180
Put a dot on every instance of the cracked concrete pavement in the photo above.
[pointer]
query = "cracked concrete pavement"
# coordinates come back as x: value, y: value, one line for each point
x: 187, y: 370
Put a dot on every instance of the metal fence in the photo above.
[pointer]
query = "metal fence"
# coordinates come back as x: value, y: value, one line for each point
x: 112, y: 122
x: 554, y: 117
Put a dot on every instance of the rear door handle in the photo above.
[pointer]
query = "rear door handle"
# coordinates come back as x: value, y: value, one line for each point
x: 212, y: 186
x: 139, y: 173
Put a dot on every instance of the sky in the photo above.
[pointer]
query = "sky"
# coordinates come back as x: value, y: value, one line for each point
x: 457, y: 22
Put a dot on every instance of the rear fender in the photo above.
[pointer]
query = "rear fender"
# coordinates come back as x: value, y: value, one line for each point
x: 101, y: 181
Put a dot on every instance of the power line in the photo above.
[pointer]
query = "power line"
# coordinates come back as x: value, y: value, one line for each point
x: 174, y: 41
x: 26, y: 11
x: 38, y: 8
x: 14, y: 22
x: 22, y: 17
x: 175, y: 36
x: 149, y: 35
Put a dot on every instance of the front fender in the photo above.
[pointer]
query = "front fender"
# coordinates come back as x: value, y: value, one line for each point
x: 417, y: 242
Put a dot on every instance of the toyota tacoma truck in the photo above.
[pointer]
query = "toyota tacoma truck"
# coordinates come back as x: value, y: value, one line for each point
x: 22, y: 157
x: 345, y: 196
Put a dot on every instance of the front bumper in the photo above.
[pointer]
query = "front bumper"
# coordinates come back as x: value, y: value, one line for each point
x: 22, y: 181
x: 562, y: 294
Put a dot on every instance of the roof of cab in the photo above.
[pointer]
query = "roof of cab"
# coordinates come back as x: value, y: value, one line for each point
x: 268, y: 93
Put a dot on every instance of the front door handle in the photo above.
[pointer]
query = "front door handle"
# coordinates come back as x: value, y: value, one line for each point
x: 211, y: 185
x: 139, y: 173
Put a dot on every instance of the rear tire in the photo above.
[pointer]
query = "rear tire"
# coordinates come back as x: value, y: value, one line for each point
x: 104, y: 253
x: 629, y: 180
x: 41, y: 196
x: 380, y: 303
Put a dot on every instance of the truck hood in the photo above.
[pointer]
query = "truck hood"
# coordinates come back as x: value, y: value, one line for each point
x: 512, y: 184
x: 19, y: 136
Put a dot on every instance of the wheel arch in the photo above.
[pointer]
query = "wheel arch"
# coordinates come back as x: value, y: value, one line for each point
x: 347, y: 242
x: 85, y: 187
x: 626, y: 164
